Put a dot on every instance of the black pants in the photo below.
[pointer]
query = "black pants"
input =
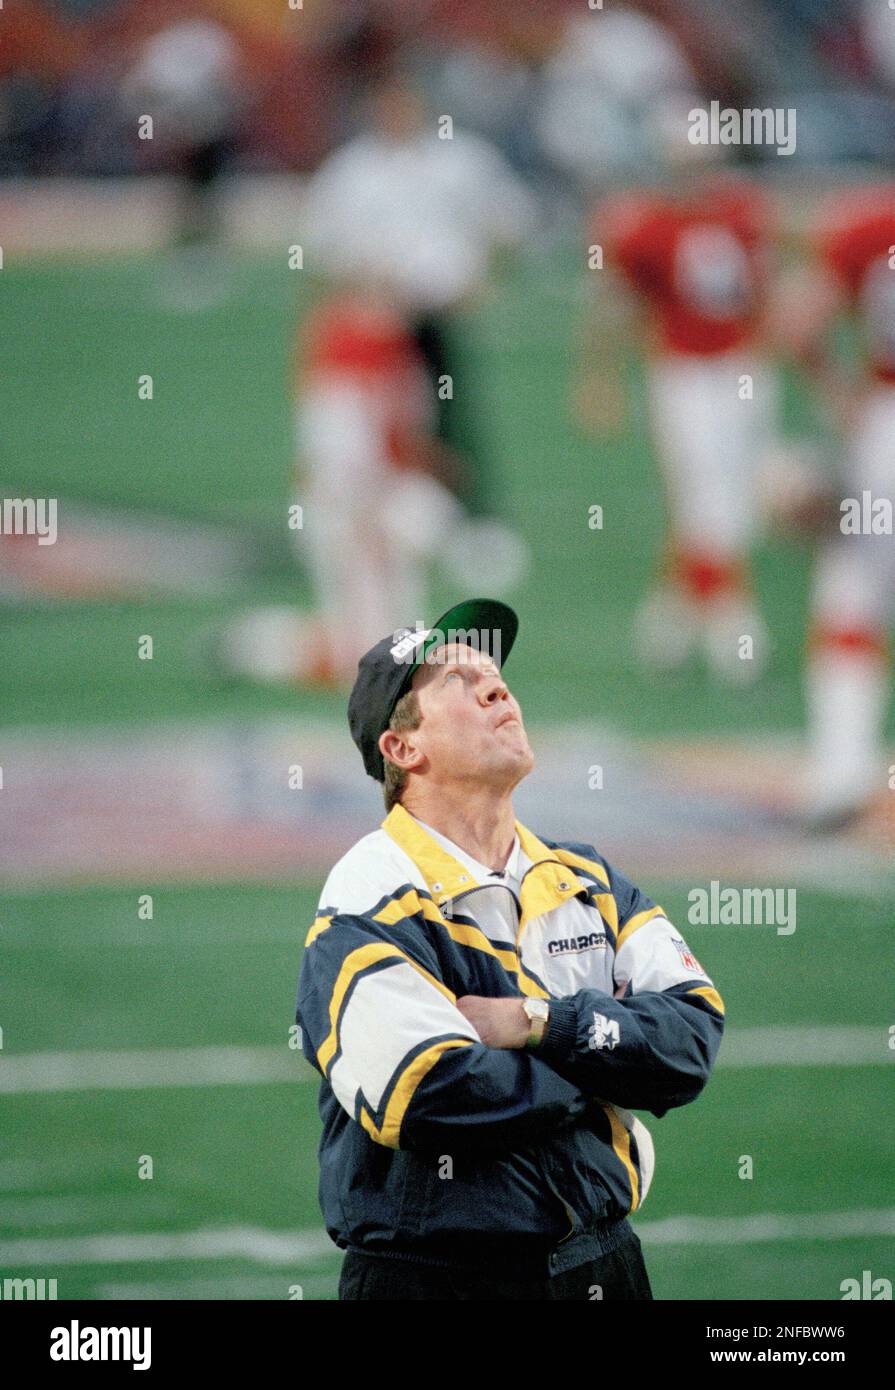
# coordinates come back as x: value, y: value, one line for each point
x: 620, y: 1274
x: 457, y: 417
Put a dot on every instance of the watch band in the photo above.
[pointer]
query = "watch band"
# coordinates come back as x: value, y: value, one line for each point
x: 538, y: 1024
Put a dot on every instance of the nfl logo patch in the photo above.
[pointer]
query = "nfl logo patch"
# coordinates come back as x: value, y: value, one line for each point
x: 687, y: 956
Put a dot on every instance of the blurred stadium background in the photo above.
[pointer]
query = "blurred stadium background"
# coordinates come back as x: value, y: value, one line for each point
x: 125, y: 1036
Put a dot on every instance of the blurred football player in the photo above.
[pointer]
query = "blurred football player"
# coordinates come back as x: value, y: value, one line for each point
x: 854, y: 589
x: 694, y: 251
x: 189, y: 77
x: 422, y: 209
x: 370, y: 510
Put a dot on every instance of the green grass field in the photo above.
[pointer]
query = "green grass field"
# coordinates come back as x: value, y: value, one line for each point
x: 231, y: 1208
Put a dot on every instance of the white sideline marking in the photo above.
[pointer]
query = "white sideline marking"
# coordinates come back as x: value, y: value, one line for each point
x: 294, y: 1248
x: 806, y: 1046
x: 161, y: 1067
x: 229, y: 1066
x: 231, y: 1242
x: 768, y: 1226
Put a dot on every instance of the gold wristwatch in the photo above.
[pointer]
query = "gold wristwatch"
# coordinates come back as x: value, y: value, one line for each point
x: 537, y: 1011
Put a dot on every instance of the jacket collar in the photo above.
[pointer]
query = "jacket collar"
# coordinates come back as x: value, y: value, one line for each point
x: 545, y: 885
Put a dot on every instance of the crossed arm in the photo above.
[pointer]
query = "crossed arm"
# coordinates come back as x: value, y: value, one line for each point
x: 418, y: 1068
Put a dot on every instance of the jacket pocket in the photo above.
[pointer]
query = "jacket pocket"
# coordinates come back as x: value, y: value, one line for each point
x: 588, y: 1178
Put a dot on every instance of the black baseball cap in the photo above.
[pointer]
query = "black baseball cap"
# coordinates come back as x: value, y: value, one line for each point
x: 385, y: 672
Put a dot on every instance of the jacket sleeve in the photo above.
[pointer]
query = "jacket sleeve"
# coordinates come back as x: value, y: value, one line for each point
x: 650, y: 1046
x: 385, y: 1033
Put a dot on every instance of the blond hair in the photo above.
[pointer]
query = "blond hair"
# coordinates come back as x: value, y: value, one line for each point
x: 405, y: 716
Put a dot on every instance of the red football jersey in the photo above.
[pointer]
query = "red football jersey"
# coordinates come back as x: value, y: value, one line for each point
x: 371, y: 350
x: 369, y: 344
x: 858, y: 246
x: 699, y: 263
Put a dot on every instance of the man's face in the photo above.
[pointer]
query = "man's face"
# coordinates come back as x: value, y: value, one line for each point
x: 471, y: 727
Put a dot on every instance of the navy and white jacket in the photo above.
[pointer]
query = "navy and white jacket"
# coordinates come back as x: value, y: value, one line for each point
x: 438, y: 1146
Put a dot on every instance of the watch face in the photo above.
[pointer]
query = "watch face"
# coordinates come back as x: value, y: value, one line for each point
x: 536, y: 1008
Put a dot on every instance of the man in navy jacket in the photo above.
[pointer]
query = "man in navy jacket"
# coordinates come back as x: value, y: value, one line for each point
x: 486, y: 1007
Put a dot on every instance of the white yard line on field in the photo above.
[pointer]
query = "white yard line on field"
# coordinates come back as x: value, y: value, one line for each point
x: 161, y: 1067
x: 768, y: 1226
x: 806, y: 1045
x: 292, y: 1249
x: 802, y: 1046
x: 227, y: 1243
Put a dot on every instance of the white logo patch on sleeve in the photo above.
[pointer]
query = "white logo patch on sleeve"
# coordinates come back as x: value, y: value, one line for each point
x: 686, y: 955
x: 603, y: 1033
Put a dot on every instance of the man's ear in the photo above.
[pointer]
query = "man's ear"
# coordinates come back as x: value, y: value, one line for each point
x: 396, y: 749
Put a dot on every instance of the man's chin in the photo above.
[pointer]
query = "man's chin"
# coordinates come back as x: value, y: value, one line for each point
x: 502, y: 768
x: 523, y: 763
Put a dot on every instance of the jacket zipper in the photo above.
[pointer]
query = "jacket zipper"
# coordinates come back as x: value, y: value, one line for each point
x: 570, y: 1214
